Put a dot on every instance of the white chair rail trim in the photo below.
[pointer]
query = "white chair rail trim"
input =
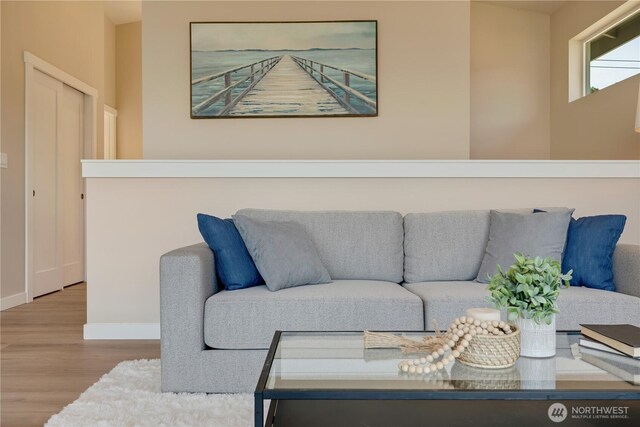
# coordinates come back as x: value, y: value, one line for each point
x: 361, y: 169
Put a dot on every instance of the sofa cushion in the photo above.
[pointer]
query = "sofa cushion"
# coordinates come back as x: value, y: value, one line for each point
x: 283, y: 252
x: 444, y: 301
x: 535, y: 235
x: 591, y: 242
x: 248, y: 318
x: 351, y: 245
x: 234, y: 265
x: 578, y: 305
x: 444, y: 245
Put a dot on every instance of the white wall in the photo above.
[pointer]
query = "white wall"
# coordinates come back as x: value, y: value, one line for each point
x: 597, y: 126
x: 510, y: 117
x: 133, y: 221
x: 423, y: 69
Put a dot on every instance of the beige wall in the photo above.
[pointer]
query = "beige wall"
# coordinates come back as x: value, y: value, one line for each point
x: 129, y: 90
x: 600, y: 125
x: 69, y: 35
x: 423, y: 69
x: 109, y: 63
x: 510, y: 116
x: 160, y: 215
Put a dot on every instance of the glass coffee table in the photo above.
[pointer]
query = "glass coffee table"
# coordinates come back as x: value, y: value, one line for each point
x: 330, y: 379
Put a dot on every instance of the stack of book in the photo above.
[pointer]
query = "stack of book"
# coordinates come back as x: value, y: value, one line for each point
x: 614, y: 348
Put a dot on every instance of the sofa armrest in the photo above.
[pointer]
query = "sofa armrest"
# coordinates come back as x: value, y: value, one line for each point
x: 187, y: 279
x: 626, y: 269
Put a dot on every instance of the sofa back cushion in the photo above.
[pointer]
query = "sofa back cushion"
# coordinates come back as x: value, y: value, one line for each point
x: 351, y: 245
x: 444, y: 246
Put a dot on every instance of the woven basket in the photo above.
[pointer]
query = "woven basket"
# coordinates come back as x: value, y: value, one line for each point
x: 493, y: 351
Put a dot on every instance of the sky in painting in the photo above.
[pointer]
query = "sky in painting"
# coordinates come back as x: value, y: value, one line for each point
x: 283, y: 36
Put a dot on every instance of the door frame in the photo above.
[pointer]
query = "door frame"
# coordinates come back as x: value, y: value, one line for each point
x: 90, y: 150
x: 110, y: 144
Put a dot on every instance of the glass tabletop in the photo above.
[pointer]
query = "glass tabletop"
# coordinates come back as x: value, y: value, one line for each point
x: 338, y: 362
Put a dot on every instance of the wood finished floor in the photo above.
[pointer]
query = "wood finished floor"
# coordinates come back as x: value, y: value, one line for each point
x: 46, y: 364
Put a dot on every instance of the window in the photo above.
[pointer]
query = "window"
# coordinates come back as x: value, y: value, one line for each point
x: 613, y: 55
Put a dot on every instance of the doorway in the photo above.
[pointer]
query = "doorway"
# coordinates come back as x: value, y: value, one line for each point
x: 59, y: 132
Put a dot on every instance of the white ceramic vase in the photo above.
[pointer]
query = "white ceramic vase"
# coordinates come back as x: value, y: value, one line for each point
x: 537, y: 340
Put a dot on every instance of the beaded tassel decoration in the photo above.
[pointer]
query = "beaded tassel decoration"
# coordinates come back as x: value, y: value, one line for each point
x: 456, y: 339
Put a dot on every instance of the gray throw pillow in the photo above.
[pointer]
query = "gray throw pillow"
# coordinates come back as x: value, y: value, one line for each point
x: 541, y: 234
x: 283, y: 253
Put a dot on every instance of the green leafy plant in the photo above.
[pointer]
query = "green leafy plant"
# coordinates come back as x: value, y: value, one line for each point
x: 529, y: 289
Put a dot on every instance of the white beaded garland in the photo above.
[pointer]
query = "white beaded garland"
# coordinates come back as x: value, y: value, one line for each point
x: 456, y: 339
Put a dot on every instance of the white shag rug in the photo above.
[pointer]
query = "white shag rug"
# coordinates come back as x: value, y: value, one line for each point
x: 130, y: 396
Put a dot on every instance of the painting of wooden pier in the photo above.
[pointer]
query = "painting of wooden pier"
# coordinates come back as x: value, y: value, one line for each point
x: 284, y: 69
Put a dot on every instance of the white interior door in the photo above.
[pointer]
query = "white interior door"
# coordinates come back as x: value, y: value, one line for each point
x: 70, y: 185
x: 56, y: 137
x: 61, y: 121
x: 44, y: 133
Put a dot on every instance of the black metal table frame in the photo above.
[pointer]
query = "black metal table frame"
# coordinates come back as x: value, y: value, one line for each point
x: 261, y: 394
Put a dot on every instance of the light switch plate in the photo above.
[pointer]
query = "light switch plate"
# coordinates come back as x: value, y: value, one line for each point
x: 4, y: 160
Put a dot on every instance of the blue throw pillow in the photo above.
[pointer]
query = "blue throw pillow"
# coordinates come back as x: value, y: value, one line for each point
x: 591, y: 241
x: 234, y: 265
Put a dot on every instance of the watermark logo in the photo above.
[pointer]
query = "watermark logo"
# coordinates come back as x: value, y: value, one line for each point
x: 557, y: 412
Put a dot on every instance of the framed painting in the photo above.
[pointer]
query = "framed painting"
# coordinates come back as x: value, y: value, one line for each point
x: 284, y: 69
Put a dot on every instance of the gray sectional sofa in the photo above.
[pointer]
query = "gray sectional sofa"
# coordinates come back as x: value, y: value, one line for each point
x: 389, y: 272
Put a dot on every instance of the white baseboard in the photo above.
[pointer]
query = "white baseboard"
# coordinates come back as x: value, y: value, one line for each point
x: 13, y: 300
x: 122, y: 331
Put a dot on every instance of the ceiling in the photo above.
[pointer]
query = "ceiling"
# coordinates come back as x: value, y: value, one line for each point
x: 123, y: 11
x: 541, y: 6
